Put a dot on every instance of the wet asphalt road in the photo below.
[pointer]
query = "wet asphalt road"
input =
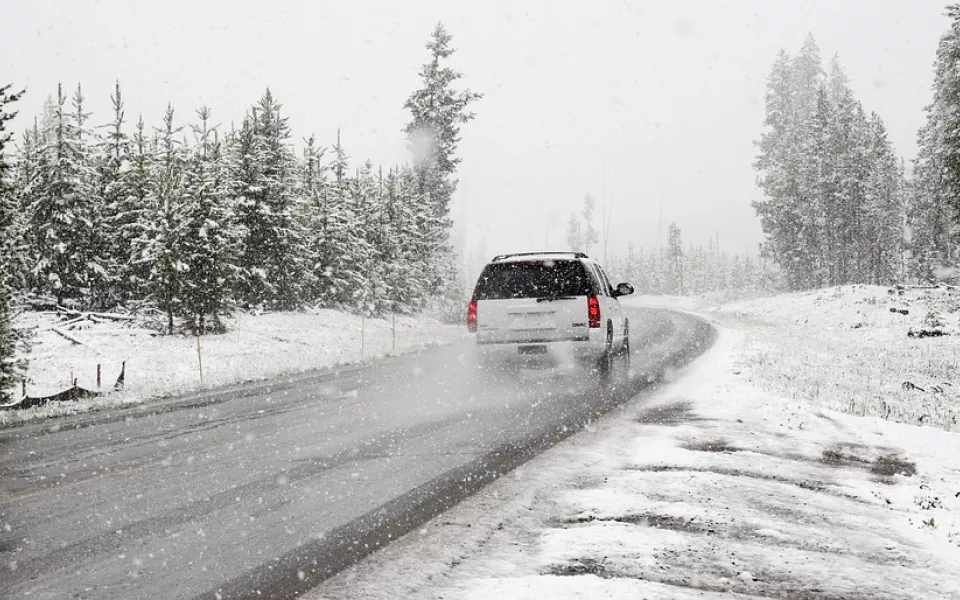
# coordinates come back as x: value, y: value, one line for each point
x: 263, y: 491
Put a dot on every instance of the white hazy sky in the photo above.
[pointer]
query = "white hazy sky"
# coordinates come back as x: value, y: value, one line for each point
x: 653, y: 102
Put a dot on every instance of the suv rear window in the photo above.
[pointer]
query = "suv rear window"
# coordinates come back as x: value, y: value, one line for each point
x: 533, y: 279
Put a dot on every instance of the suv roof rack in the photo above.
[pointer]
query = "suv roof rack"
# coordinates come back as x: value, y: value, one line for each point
x: 515, y: 254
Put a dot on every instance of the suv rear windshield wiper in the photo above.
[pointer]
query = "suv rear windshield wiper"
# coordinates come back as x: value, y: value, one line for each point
x: 552, y: 298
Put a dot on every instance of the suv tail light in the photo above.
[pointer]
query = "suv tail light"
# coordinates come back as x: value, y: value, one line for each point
x: 593, y: 311
x: 472, y: 316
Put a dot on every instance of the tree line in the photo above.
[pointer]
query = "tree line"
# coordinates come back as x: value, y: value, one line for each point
x: 195, y: 219
x: 676, y: 270
x: 839, y: 206
x: 933, y: 225
x: 835, y: 192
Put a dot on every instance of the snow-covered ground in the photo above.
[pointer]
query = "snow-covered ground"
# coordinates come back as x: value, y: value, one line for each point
x: 858, y: 349
x: 726, y: 483
x: 256, y: 347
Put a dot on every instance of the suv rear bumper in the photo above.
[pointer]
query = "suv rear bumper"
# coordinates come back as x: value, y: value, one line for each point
x: 577, y: 340
x: 560, y: 351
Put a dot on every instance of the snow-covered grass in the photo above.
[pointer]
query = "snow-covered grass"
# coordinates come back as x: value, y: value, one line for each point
x: 863, y: 350
x: 255, y: 347
x: 850, y: 349
x: 714, y: 488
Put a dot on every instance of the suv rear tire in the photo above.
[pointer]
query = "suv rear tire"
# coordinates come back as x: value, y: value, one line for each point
x: 605, y: 364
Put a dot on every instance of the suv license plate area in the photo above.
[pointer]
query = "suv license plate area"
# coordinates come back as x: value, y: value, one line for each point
x: 532, y: 350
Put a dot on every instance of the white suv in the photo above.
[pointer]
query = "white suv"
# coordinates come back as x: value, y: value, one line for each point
x: 549, y: 303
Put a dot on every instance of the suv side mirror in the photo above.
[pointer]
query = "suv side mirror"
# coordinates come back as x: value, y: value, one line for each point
x: 624, y: 289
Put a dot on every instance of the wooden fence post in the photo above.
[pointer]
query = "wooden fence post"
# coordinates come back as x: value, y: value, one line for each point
x: 199, y: 357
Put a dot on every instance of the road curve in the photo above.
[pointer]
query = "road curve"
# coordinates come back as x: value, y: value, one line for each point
x: 264, y: 491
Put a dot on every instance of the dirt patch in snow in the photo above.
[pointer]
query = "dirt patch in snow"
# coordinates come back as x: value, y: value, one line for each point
x: 712, y: 446
x: 888, y: 466
x: 885, y: 465
x: 807, y: 484
x: 725, y: 580
x: 674, y: 414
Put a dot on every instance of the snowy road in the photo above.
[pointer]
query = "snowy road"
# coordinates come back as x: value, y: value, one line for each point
x: 266, y: 490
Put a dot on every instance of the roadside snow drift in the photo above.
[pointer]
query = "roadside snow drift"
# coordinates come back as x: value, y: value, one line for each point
x: 255, y: 347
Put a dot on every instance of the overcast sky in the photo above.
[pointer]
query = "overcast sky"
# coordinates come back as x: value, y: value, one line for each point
x: 649, y: 102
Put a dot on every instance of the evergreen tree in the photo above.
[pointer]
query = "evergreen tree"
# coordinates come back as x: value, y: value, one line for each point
x: 935, y: 193
x: 780, y: 211
x: 62, y: 218
x: 883, y: 215
x: 133, y: 216
x: 159, y: 248
x: 94, y: 246
x: 738, y: 277
x: 574, y: 234
x: 416, y: 243
x: 673, y: 269
x: 590, y: 235
x: 806, y: 80
x: 10, y: 370
x: 437, y: 111
x: 314, y: 217
x: 209, y: 239
x: 118, y: 213
x: 263, y: 183
x: 346, y: 249
x: 23, y: 188
x: 365, y: 204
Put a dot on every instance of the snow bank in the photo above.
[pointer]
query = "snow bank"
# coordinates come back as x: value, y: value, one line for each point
x: 256, y: 347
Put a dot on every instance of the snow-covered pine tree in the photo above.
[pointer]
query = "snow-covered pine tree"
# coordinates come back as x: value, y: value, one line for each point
x: 209, y: 238
x: 673, y: 267
x: 724, y: 268
x: 779, y: 211
x: 437, y: 111
x: 738, y: 279
x: 10, y: 370
x: 590, y: 235
x: 818, y: 189
x: 158, y: 250
x: 935, y: 191
x: 850, y: 142
x: 881, y: 237
x: 264, y: 185
x: 61, y: 223
x: 95, y: 246
x: 806, y: 80
x: 313, y: 216
x: 24, y: 186
x: 574, y: 234
x: 382, y: 240
x: 365, y: 205
x: 113, y: 166
x: 134, y: 215
x: 413, y: 283
x: 346, y: 246
x: 695, y: 270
